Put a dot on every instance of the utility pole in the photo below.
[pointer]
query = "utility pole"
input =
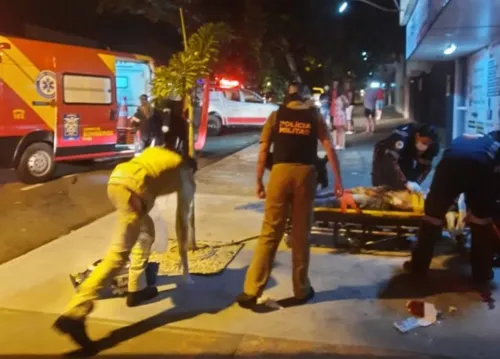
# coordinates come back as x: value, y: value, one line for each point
x: 189, y: 146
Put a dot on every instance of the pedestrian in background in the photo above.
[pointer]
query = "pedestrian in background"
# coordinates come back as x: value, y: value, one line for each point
x: 143, y: 120
x: 340, y: 117
x: 333, y: 97
x: 349, y: 93
x: 379, y: 105
x: 369, y: 101
x: 293, y: 131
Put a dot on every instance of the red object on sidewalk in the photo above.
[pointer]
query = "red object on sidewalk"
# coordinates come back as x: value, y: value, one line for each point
x: 416, y: 308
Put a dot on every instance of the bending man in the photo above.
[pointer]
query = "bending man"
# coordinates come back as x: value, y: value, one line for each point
x: 468, y: 166
x: 132, y: 188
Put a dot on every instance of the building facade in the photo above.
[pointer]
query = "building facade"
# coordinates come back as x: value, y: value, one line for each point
x: 452, y: 74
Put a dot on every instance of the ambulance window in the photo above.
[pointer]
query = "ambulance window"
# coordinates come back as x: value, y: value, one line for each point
x: 84, y: 89
x: 251, y: 97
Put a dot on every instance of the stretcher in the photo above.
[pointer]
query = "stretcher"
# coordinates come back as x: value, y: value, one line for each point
x: 365, y: 229
x: 368, y: 228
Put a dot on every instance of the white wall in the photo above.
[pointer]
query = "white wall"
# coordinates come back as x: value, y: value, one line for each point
x: 482, y: 97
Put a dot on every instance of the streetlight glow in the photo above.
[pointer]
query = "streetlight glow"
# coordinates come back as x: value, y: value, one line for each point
x: 343, y: 7
x: 363, y: 53
x: 450, y: 49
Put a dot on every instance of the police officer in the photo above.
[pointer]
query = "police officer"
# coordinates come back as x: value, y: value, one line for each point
x: 468, y: 166
x: 294, y: 130
x: 132, y: 188
x: 404, y: 159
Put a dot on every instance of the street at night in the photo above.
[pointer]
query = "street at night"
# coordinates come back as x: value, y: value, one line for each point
x: 243, y: 179
x: 75, y: 197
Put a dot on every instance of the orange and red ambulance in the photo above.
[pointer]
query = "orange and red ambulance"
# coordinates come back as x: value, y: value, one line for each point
x: 66, y: 103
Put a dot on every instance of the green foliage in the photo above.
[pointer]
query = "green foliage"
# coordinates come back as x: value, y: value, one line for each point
x: 153, y: 10
x: 179, y: 77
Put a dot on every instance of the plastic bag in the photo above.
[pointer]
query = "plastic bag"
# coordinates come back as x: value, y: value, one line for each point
x: 160, y: 244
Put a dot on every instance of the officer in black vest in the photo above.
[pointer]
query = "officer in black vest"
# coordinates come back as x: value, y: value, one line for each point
x: 468, y: 166
x: 404, y: 159
x: 294, y: 131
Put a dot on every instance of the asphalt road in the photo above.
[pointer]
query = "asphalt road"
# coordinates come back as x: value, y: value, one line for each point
x: 33, y: 215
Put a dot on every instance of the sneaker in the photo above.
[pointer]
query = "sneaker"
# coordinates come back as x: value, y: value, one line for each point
x: 349, y: 133
x: 246, y: 301
x: 135, y: 299
x: 76, y: 330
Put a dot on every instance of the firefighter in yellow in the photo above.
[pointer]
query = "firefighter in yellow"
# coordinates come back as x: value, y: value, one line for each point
x: 132, y: 188
x: 294, y: 131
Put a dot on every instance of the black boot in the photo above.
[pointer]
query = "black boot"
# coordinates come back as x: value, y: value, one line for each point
x: 246, y: 301
x: 137, y: 298
x: 421, y: 256
x: 76, y: 330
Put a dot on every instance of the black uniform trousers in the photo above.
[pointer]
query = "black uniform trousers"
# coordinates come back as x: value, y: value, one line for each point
x: 452, y: 177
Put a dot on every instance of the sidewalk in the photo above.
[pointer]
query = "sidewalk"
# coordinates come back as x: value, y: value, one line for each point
x: 358, y: 297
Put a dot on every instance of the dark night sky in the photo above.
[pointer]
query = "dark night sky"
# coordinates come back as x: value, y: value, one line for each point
x: 320, y: 29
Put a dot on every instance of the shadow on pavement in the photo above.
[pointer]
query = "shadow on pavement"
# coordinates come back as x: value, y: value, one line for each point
x: 184, y: 298
x: 299, y: 355
x: 403, y: 287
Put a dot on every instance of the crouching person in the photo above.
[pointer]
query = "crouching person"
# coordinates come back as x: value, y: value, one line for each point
x: 468, y: 166
x: 132, y: 188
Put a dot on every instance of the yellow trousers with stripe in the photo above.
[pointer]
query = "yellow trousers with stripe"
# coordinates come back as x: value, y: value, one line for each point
x: 290, y: 186
x: 133, y: 238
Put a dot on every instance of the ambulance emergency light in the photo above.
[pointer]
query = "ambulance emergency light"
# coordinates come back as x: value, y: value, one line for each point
x: 228, y: 84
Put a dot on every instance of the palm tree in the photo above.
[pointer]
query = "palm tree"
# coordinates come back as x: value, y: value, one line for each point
x: 178, y: 78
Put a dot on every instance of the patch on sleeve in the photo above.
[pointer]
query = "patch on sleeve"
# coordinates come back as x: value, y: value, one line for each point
x: 399, y: 145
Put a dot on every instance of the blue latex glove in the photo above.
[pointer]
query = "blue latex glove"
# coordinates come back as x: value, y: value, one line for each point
x: 413, y: 187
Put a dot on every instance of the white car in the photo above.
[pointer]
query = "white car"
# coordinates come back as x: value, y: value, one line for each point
x: 234, y: 107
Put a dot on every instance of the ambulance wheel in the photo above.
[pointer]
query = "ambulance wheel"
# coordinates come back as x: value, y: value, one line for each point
x: 214, y: 125
x: 37, y: 163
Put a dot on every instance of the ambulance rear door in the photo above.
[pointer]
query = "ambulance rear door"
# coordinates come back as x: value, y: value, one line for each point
x: 133, y: 79
x: 87, y: 116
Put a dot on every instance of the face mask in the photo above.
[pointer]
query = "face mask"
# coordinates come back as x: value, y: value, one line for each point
x: 421, y: 147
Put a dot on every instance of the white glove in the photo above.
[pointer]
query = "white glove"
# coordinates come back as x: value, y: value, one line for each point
x: 413, y: 187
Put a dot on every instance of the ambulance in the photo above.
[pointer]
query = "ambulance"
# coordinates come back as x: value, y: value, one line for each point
x: 63, y: 103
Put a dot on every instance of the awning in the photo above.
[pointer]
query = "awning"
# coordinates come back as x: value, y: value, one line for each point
x: 467, y: 25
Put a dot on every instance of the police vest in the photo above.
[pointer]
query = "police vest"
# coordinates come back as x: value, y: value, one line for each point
x: 295, y: 136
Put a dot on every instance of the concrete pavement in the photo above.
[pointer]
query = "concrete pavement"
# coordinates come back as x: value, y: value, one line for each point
x: 76, y: 197
x: 358, y: 297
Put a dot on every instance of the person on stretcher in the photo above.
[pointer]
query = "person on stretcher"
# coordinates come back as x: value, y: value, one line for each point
x: 380, y: 198
x: 404, y: 159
